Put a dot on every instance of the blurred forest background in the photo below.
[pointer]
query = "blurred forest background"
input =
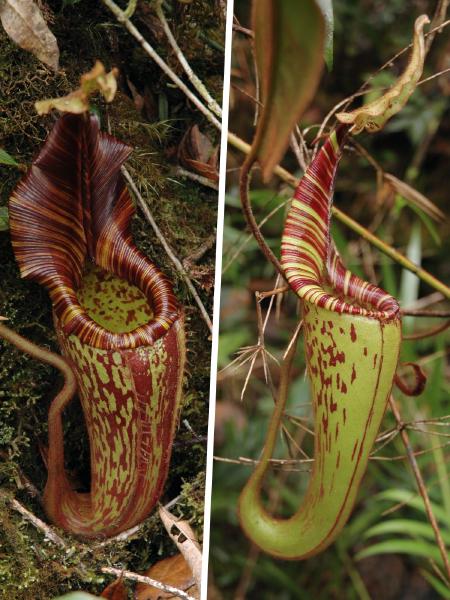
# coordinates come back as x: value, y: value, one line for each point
x: 387, y: 550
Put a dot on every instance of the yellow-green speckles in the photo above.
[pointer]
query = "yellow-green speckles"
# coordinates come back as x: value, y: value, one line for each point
x: 117, y: 358
x: 102, y: 373
x: 113, y: 303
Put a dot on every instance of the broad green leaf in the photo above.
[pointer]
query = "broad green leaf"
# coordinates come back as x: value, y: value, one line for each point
x: 410, y: 547
x: 326, y: 7
x: 7, y: 159
x: 4, y: 218
x: 289, y: 41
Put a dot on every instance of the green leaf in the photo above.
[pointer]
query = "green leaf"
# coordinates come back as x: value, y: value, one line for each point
x: 430, y: 226
x: 410, y: 547
x: 405, y: 527
x: 289, y: 41
x: 326, y: 6
x: 4, y: 218
x: 438, y: 585
x: 413, y: 500
x: 7, y: 159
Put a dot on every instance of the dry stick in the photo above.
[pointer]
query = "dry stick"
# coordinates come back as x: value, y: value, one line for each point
x: 344, y: 218
x: 121, y: 17
x: 420, y: 484
x: 38, y: 523
x: 197, y: 254
x: 148, y: 581
x: 443, y: 72
x: 437, y: 21
x: 148, y: 214
x: 121, y: 537
x: 195, y: 177
x: 280, y: 462
x: 420, y: 335
x: 441, y: 314
x: 196, y: 82
x: 249, y: 237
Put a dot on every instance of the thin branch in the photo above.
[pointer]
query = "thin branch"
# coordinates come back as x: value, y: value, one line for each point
x: 195, y: 177
x: 129, y: 11
x: 121, y: 18
x: 250, y: 235
x: 48, y: 532
x: 121, y: 537
x: 436, y: 23
x: 425, y: 301
x: 148, y: 581
x: 196, y: 82
x: 438, y: 74
x: 440, y: 314
x: 170, y: 253
x: 421, y: 485
x: 420, y: 335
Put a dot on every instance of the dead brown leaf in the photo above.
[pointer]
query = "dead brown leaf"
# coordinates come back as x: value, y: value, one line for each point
x: 197, y: 153
x: 412, y: 196
x: 173, y: 571
x: 25, y: 25
x: 115, y: 591
x: 182, y: 534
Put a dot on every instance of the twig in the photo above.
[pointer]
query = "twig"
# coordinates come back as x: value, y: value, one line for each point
x: 250, y: 235
x: 438, y: 74
x: 244, y: 30
x: 121, y: 537
x: 197, y: 254
x: 426, y: 301
x: 195, y: 177
x: 437, y: 21
x: 420, y: 335
x: 196, y: 82
x: 148, y: 214
x: 440, y: 314
x: 297, y: 150
x: 148, y: 581
x: 421, y: 485
x: 129, y: 11
x: 121, y: 17
x: 48, y: 532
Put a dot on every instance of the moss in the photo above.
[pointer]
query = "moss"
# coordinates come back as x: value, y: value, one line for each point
x: 31, y: 567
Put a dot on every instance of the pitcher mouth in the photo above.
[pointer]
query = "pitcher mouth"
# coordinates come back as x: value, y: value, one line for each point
x: 108, y: 311
x: 73, y: 207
